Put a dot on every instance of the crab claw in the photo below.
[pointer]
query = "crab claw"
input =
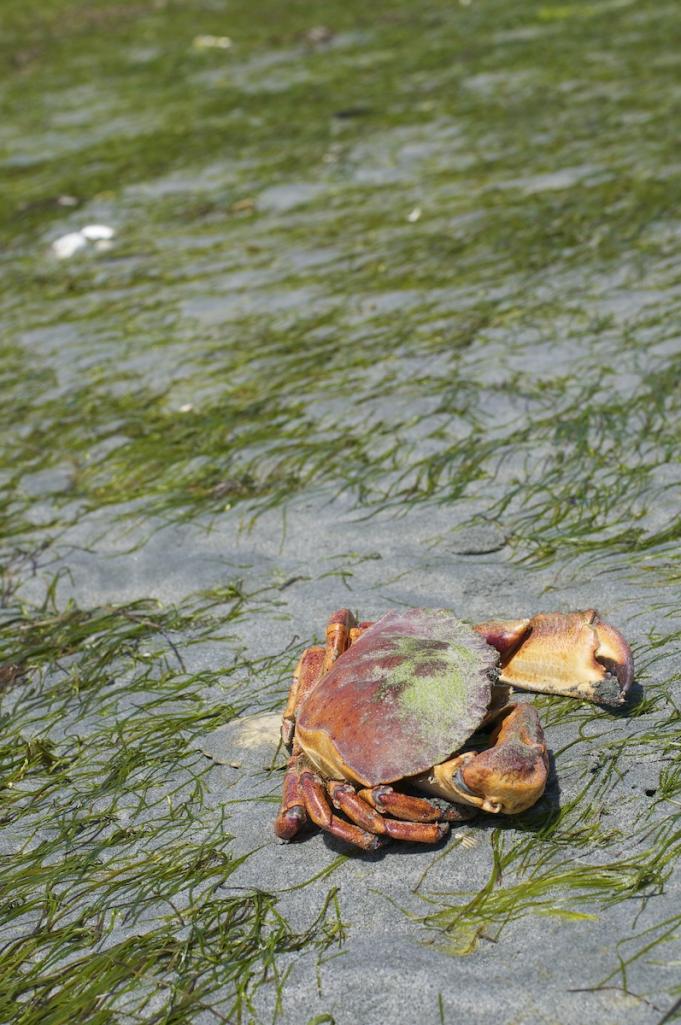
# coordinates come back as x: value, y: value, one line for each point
x: 510, y: 776
x: 563, y: 653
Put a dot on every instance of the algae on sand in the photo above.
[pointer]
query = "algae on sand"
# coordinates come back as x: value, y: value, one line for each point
x: 280, y: 392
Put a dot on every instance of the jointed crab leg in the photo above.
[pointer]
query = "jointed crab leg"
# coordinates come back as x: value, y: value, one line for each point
x: 357, y: 631
x: 319, y: 810
x: 314, y: 663
x: 305, y: 795
x: 344, y: 797
x: 387, y: 801
x: 413, y: 809
x: 292, y: 816
x: 305, y: 676
x: 338, y: 631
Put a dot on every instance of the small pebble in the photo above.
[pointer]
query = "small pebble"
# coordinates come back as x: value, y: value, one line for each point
x: 245, y: 205
x: 318, y: 35
x: 247, y: 742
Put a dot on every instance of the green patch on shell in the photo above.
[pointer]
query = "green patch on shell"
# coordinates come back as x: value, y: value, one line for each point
x: 431, y: 683
x: 436, y: 675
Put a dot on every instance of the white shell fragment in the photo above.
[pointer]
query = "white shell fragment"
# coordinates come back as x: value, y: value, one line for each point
x: 98, y: 234
x: 414, y: 215
x: 69, y: 244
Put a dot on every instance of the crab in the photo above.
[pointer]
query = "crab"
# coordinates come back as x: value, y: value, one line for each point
x: 388, y: 715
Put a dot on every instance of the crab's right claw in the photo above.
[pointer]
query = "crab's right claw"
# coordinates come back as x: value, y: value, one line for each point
x: 510, y: 776
x: 570, y: 653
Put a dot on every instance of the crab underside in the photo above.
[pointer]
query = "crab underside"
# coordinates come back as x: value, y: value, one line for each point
x: 416, y: 713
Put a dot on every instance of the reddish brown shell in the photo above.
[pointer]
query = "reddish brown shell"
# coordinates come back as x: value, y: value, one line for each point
x: 404, y: 697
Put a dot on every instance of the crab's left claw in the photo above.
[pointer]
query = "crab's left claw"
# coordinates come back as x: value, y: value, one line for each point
x: 570, y: 653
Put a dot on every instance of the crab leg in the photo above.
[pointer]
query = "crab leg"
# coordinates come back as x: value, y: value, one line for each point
x: 345, y: 799
x: 292, y: 815
x: 414, y: 809
x: 318, y: 808
x: 312, y: 665
x: 338, y: 636
x: 357, y: 631
x: 306, y: 675
x: 563, y: 653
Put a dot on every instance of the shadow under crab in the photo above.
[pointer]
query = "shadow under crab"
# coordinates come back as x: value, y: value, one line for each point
x: 421, y: 699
